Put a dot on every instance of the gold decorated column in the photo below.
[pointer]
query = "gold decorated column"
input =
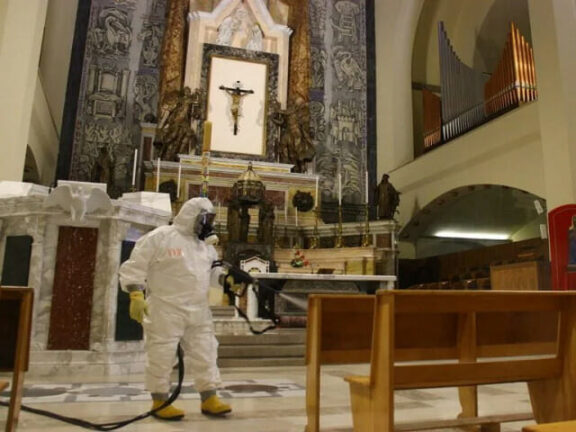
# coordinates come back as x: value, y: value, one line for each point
x: 173, y: 51
x: 299, y: 83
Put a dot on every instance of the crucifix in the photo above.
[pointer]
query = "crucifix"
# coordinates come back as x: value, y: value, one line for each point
x: 237, y: 93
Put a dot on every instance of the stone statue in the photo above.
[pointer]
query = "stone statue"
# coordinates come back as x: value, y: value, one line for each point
x: 256, y: 38
x: 103, y: 169
x: 388, y: 198
x: 233, y: 221
x: 296, y: 142
x: 278, y: 117
x: 175, y: 131
x: 266, y: 223
x: 244, y: 223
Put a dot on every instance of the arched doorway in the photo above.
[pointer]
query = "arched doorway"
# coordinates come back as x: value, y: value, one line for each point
x: 463, y: 232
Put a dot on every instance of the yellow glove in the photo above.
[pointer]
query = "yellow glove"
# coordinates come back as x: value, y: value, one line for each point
x: 138, y: 306
x: 234, y: 287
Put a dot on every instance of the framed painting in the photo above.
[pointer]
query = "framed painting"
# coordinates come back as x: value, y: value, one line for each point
x: 240, y: 86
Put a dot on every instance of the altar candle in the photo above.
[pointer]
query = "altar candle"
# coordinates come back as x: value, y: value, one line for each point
x: 179, y: 176
x: 339, y: 189
x: 134, y: 167
x: 316, y: 201
x: 285, y: 214
x: 366, y: 186
x: 207, y: 136
x: 158, y: 176
x: 296, y: 215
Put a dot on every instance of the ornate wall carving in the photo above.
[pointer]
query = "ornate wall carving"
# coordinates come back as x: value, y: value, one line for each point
x: 338, y: 100
x: 119, y: 87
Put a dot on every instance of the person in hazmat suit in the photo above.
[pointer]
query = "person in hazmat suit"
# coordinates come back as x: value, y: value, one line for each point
x: 174, y: 266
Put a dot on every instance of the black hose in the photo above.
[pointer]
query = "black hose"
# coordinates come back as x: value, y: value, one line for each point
x: 119, y: 424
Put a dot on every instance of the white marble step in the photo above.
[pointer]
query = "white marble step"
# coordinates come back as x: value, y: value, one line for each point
x: 260, y: 362
x: 261, y: 351
x: 282, y: 347
x: 282, y: 336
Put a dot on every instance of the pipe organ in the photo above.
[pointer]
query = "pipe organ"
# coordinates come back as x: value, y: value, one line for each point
x: 432, y: 107
x: 468, y: 99
x: 514, y: 80
x: 462, y: 91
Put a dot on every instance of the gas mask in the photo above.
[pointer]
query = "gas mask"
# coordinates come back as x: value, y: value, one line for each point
x: 205, y: 228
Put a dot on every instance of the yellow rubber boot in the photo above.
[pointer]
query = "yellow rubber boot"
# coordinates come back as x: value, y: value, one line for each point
x: 213, y: 406
x: 167, y: 413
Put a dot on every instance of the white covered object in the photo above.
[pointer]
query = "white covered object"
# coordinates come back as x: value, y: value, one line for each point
x: 157, y: 200
x: 18, y: 189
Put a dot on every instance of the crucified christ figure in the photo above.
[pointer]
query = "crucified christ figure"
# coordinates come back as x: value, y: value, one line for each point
x: 237, y: 93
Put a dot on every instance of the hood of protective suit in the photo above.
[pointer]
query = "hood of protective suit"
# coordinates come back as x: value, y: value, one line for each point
x: 186, y: 219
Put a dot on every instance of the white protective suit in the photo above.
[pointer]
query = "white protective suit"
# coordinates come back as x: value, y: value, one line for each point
x: 175, y: 267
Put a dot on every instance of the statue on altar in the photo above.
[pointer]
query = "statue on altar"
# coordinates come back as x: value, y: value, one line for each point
x: 388, y: 198
x: 103, y: 169
x: 266, y: 223
x: 296, y: 146
x: 175, y: 131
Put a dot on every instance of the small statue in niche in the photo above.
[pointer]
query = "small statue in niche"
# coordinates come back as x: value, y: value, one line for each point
x: 256, y: 38
x: 171, y: 188
x: 388, y: 198
x: 296, y: 145
x: 244, y: 223
x: 175, y: 131
x: 103, y: 169
x: 266, y: 223
x: 233, y: 221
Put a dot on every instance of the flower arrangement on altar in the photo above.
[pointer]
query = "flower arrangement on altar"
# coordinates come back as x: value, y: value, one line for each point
x: 299, y: 260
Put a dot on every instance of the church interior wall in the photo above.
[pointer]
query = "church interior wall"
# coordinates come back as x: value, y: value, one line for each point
x: 506, y: 151
x: 43, y: 138
x: 483, y: 156
x: 55, y: 57
x: 21, y: 25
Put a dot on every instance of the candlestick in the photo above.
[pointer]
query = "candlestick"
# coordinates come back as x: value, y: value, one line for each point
x: 296, y: 214
x: 316, y: 200
x: 285, y: 214
x: 179, y: 175
x: 158, y: 176
x: 339, y: 189
x: 366, y: 200
x: 207, y: 136
x: 134, y: 167
x: 219, y: 209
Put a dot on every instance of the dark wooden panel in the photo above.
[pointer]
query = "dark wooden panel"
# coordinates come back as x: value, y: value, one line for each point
x: 126, y: 328
x: 16, y: 267
x: 9, y: 318
x: 73, y: 289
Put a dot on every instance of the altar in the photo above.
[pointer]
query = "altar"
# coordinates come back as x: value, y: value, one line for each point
x: 293, y: 289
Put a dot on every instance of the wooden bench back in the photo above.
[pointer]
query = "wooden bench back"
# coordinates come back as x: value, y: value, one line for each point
x: 15, y: 326
x: 340, y: 328
x: 494, y: 327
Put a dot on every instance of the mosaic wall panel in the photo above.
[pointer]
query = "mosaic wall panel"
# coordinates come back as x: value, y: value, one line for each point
x: 338, y: 96
x: 120, y: 82
x: 118, y: 89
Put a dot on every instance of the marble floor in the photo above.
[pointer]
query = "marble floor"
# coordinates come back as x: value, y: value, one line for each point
x: 269, y: 399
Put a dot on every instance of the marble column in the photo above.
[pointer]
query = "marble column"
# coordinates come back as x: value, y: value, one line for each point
x: 21, y: 29
x: 553, y: 24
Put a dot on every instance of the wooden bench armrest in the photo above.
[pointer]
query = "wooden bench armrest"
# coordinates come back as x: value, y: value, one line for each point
x: 358, y: 379
x: 3, y: 385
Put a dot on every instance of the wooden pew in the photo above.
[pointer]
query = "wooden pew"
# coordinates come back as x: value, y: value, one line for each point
x: 15, y: 326
x: 520, y: 336
x: 339, y: 331
x: 569, y: 426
